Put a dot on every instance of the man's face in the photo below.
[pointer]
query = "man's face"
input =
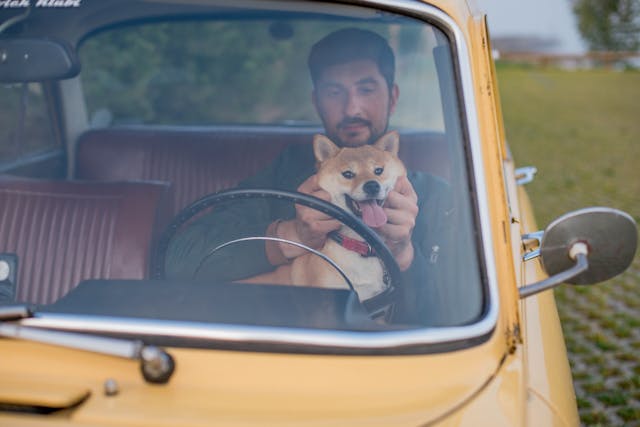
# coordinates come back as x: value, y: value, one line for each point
x: 354, y: 102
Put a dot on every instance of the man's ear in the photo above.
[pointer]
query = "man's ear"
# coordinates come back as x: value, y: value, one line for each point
x: 324, y: 148
x: 390, y: 142
x: 394, y: 94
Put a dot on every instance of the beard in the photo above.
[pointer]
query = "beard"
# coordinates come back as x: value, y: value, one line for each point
x: 344, y: 138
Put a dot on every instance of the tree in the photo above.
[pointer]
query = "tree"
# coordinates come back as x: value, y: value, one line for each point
x: 609, y: 24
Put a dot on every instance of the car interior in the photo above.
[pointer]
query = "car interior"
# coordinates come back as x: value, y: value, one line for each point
x: 154, y: 173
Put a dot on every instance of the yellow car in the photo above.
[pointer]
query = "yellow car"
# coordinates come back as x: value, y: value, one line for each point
x: 262, y: 212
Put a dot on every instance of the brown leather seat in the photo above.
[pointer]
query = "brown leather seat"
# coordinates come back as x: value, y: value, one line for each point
x: 202, y: 161
x: 67, y: 231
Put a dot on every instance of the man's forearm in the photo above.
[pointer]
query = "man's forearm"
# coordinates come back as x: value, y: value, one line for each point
x: 279, y: 253
x: 273, y: 249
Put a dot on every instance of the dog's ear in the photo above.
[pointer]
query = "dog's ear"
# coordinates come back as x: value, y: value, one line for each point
x: 324, y: 148
x: 390, y: 142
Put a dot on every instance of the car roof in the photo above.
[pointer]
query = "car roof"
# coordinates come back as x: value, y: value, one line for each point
x: 74, y: 23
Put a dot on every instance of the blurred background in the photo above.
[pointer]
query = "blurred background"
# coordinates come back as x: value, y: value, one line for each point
x: 569, y: 79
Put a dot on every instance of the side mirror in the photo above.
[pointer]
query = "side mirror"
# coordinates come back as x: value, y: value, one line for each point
x: 586, y: 246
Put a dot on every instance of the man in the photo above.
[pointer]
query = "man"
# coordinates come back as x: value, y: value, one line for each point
x: 354, y: 94
x: 353, y: 74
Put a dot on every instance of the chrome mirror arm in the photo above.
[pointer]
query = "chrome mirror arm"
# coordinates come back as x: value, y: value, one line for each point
x: 531, y: 255
x: 578, y: 252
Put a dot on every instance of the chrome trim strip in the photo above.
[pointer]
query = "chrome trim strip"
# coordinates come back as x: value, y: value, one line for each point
x: 251, y: 334
x: 326, y: 338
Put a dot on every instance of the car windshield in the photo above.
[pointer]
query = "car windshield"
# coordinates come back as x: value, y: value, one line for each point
x: 257, y: 165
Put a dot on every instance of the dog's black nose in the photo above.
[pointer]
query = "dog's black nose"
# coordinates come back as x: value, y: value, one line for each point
x: 371, y: 188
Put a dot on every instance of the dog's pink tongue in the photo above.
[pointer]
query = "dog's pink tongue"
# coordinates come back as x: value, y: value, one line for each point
x: 372, y: 214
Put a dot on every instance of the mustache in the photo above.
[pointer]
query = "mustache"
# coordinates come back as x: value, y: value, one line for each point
x: 353, y: 121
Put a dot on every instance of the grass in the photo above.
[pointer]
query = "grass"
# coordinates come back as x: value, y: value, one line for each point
x: 581, y: 129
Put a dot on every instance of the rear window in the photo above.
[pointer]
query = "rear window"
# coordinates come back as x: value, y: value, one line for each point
x: 238, y: 72
x: 25, y: 127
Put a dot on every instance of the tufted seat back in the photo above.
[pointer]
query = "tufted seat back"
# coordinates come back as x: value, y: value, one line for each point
x: 67, y: 231
x: 201, y: 161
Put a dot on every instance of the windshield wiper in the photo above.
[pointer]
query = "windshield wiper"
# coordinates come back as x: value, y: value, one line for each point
x: 156, y: 364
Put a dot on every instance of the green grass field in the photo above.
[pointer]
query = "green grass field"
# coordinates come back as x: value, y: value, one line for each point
x: 581, y: 129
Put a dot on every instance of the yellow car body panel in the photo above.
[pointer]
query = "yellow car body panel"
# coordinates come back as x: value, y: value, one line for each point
x: 212, y: 387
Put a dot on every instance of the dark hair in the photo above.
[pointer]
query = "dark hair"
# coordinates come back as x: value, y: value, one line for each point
x: 351, y: 44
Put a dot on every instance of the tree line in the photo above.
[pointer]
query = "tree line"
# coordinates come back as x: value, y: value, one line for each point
x: 609, y: 25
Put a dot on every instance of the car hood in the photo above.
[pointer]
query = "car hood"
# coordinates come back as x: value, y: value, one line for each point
x: 214, y: 387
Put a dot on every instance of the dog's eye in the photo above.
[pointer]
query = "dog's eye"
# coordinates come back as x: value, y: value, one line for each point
x: 378, y: 171
x: 348, y: 174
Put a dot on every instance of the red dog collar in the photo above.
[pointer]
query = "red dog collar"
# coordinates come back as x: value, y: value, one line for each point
x: 355, y: 245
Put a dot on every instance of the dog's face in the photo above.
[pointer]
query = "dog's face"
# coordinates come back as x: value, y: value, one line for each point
x: 360, y: 178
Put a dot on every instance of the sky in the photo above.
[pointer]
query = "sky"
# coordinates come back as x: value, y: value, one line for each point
x: 540, y: 18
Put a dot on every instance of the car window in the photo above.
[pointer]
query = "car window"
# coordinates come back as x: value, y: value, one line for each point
x: 236, y: 72
x: 25, y: 127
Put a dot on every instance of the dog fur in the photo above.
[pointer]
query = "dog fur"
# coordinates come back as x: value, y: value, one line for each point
x: 358, y: 180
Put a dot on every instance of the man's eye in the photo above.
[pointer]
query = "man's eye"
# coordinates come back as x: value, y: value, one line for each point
x: 366, y: 90
x: 348, y: 174
x: 332, y: 92
x: 378, y: 171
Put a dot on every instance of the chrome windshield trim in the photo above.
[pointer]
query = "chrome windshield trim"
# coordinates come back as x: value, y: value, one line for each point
x: 333, y: 338
x: 254, y: 334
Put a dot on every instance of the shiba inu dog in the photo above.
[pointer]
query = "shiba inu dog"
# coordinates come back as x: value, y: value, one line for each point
x: 358, y: 180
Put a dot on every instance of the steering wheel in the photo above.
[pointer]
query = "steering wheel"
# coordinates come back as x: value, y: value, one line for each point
x: 376, y: 304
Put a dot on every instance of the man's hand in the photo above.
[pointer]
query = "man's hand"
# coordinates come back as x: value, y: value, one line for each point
x: 401, y: 208
x: 310, y: 227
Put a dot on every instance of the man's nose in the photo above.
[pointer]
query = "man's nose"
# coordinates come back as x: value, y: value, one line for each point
x: 371, y: 188
x: 352, y: 105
